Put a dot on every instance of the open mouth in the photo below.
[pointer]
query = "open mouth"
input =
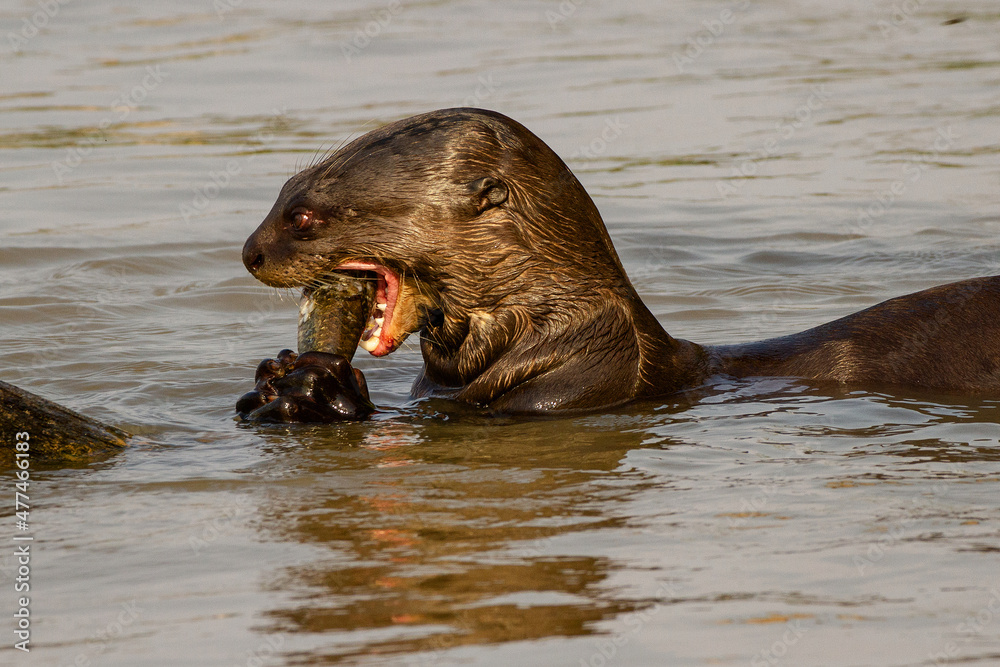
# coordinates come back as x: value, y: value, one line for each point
x: 380, y: 336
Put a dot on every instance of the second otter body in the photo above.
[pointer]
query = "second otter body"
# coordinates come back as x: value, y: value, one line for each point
x: 480, y: 238
x: 945, y: 337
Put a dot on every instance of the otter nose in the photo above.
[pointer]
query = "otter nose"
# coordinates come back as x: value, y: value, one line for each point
x: 253, y: 257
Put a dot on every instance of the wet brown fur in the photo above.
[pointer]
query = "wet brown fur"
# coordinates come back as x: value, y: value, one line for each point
x: 493, y: 232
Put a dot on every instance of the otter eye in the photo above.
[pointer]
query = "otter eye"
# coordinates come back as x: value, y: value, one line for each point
x: 302, y: 220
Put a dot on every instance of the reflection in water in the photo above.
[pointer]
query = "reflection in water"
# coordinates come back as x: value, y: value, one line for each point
x: 441, y: 532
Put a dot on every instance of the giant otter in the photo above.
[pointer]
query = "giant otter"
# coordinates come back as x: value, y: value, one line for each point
x: 482, y: 240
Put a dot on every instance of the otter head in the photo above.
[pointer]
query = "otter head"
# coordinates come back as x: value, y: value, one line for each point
x: 471, y: 224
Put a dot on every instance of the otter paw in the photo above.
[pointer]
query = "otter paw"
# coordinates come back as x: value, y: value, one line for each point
x: 314, y: 387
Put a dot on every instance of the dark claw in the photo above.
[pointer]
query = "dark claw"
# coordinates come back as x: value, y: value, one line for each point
x: 286, y: 356
x: 249, y: 402
x: 272, y: 368
x: 269, y: 368
x: 314, y: 387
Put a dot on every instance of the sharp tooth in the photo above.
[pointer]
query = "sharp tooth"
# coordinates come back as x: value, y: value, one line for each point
x: 381, y: 306
x: 369, y: 344
x: 379, y: 321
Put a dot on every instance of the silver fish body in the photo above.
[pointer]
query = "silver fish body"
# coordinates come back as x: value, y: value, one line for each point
x: 333, y: 317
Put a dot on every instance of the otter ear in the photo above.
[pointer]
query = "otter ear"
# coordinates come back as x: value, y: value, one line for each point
x: 487, y: 192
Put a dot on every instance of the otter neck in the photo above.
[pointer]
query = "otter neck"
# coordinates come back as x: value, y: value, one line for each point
x: 666, y: 364
x: 590, y: 346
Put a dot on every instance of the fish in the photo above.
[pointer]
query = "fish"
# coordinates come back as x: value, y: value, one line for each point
x: 307, y: 387
x: 334, y: 315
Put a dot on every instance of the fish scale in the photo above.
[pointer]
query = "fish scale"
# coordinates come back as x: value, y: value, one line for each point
x: 333, y: 317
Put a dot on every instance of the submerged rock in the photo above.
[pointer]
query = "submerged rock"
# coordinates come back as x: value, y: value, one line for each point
x: 54, y: 433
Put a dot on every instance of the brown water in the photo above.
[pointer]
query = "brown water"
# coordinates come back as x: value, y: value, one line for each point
x: 750, y: 523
